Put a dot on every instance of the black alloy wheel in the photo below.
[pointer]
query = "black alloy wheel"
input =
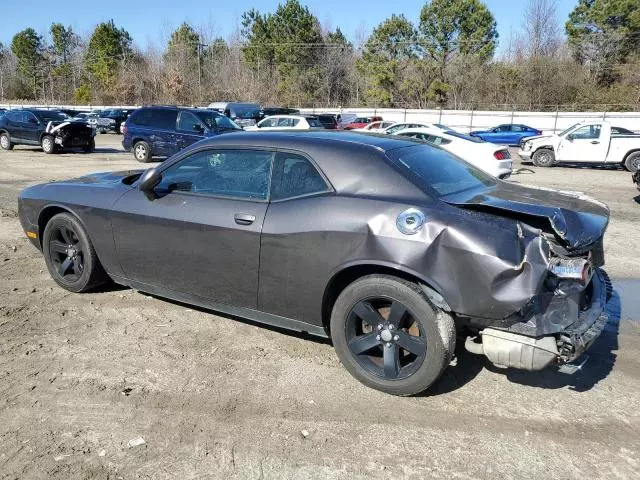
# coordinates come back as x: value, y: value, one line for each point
x: 66, y: 253
x: 389, y: 336
x: 70, y: 256
x: 385, y: 339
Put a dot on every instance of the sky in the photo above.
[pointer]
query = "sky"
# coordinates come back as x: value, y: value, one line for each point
x: 150, y: 22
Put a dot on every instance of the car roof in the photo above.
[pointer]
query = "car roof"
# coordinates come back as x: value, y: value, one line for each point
x: 294, y: 140
x: 345, y: 157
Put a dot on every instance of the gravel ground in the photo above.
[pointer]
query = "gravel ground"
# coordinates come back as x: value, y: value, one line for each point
x: 84, y: 377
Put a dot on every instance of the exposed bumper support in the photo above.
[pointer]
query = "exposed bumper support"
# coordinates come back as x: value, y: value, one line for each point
x: 510, y: 349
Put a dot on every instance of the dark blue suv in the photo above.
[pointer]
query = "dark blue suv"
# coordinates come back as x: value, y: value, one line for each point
x: 162, y: 131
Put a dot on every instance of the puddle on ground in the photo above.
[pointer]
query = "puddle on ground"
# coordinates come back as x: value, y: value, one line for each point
x: 628, y: 292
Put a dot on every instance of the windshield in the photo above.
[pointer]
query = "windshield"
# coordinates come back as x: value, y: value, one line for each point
x: 439, y: 171
x: 464, y: 137
x: 214, y: 119
x: 246, y: 113
x: 52, y: 116
x: 564, y: 132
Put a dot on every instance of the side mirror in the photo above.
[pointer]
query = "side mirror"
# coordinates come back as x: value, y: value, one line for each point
x: 197, y: 127
x: 570, y: 137
x: 149, y: 181
x: 34, y: 121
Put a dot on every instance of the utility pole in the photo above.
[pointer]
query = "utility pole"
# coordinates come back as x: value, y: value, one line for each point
x: 200, y: 45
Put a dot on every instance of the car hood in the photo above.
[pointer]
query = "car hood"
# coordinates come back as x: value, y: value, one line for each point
x: 537, y: 137
x: 577, y: 220
x: 103, y: 178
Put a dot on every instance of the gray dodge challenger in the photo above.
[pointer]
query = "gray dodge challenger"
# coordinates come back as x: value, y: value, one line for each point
x: 391, y: 247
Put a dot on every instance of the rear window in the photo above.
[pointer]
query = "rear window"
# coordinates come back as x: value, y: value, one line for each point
x: 438, y: 171
x: 157, y: 118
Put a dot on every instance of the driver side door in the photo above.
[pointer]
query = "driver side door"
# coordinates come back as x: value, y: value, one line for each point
x: 199, y: 233
x: 588, y: 143
x: 186, y: 131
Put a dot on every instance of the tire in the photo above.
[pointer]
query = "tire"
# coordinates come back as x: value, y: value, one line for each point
x: 632, y: 162
x: 544, y: 157
x: 91, y: 147
x: 362, y: 319
x: 5, y: 142
x: 69, y: 255
x: 48, y: 144
x: 142, y: 152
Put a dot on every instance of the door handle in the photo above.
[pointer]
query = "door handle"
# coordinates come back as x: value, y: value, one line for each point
x: 244, y: 218
x: 595, y: 142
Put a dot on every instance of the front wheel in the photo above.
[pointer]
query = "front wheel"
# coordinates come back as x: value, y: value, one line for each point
x: 389, y: 336
x: 48, y: 144
x: 632, y: 162
x: 69, y: 255
x: 90, y: 147
x: 544, y: 158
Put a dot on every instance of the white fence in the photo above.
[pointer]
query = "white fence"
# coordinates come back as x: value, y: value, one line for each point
x: 462, y: 120
x: 467, y: 120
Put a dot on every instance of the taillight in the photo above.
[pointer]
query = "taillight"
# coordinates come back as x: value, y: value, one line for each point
x: 501, y: 155
x: 124, y: 130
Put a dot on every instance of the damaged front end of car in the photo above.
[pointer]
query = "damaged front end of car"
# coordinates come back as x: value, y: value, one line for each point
x: 560, y: 273
x: 71, y: 134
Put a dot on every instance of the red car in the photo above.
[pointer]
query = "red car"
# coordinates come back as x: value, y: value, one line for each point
x: 361, y: 122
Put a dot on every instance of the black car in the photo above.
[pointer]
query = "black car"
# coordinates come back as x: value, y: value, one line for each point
x: 110, y: 120
x: 391, y: 247
x: 51, y: 129
x: 328, y: 121
x: 636, y: 178
x: 270, y: 111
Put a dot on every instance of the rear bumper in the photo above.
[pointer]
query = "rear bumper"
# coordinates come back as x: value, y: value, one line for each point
x: 555, y: 331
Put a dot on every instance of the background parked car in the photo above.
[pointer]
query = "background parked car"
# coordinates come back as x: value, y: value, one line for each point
x: 110, y: 120
x: 293, y: 122
x: 375, y: 127
x: 243, y: 114
x: 328, y: 120
x: 361, y: 122
x: 585, y: 142
x: 495, y: 160
x: 162, y: 131
x: 397, y: 127
x: 270, y: 111
x: 508, y: 134
x: 51, y: 129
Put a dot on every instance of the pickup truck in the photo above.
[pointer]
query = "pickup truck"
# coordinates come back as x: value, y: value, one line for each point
x: 586, y: 142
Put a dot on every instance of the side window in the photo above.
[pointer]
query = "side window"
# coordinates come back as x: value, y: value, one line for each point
x: 588, y: 132
x: 15, y: 116
x: 285, y: 122
x: 503, y: 128
x: 142, y: 117
x: 268, y: 122
x: 28, y: 117
x: 295, y: 175
x: 165, y: 119
x: 227, y: 173
x: 517, y: 128
x: 187, y: 121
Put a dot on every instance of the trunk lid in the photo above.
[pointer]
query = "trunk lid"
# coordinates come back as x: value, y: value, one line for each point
x: 577, y: 220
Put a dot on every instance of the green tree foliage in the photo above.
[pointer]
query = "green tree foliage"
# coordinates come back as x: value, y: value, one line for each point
x: 28, y: 48
x: 82, y: 95
x: 108, y: 46
x: 288, y: 42
x: 64, y: 44
x: 184, y: 42
x: 602, y: 33
x: 450, y: 27
x: 386, y: 53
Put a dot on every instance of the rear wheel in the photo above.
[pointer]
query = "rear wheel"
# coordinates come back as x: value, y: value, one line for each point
x: 5, y: 142
x: 544, y: 157
x: 142, y: 152
x: 389, y: 336
x: 48, y: 144
x: 69, y: 255
x: 632, y: 162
